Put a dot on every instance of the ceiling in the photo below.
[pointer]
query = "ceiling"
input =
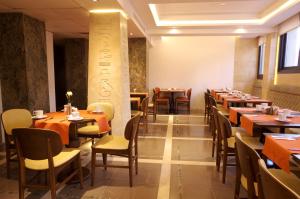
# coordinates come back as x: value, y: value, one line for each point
x: 66, y: 18
x: 148, y: 18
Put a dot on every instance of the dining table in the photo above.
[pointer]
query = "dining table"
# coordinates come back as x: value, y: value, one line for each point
x: 280, y: 148
x: 67, y: 129
x: 254, y: 123
x: 235, y: 113
x: 215, y: 92
x: 233, y: 101
x: 172, y: 92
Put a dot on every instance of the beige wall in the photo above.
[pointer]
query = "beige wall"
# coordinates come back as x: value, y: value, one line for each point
x: 199, y: 62
x: 289, y: 79
x: 245, y: 64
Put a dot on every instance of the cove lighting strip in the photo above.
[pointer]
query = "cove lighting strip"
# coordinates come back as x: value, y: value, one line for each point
x: 109, y: 11
x: 258, y: 21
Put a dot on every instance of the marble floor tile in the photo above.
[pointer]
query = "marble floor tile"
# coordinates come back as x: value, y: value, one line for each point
x: 191, y: 131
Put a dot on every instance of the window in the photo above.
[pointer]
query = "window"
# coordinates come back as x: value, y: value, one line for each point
x: 261, y: 56
x: 289, y: 51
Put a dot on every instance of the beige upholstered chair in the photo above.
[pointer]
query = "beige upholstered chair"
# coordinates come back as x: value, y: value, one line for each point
x: 46, y: 154
x: 13, y: 118
x: 278, y: 184
x: 126, y: 146
x: 92, y: 130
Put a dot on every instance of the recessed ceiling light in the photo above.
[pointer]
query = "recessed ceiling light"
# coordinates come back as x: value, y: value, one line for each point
x: 131, y: 34
x: 222, y: 4
x: 95, y: 0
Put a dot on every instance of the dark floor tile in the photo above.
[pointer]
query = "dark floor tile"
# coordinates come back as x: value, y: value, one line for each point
x: 192, y: 150
x: 151, y: 148
x: 200, y: 182
x: 159, y: 130
x: 159, y: 119
x: 191, y: 131
x: 181, y: 119
x: 114, y: 184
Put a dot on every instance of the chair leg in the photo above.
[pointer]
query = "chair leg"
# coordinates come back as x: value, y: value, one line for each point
x: 130, y: 168
x: 52, y: 182
x: 22, y: 176
x: 8, y: 163
x: 224, y: 166
x: 79, y: 171
x: 93, y: 167
x: 237, y: 184
x: 218, y: 153
x: 104, y: 157
x: 213, y: 145
x: 136, y: 158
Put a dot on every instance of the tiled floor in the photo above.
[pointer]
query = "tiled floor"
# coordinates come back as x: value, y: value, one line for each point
x: 175, y: 162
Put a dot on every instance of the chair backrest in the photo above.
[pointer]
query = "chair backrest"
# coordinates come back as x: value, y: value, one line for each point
x: 189, y: 93
x: 16, y: 118
x: 131, y: 129
x: 208, y: 91
x: 225, y: 127
x: 215, y: 119
x: 106, y: 107
x: 156, y: 92
x: 273, y: 188
x: 37, y: 144
x: 206, y: 99
x: 212, y: 101
x: 248, y: 164
x: 144, y: 106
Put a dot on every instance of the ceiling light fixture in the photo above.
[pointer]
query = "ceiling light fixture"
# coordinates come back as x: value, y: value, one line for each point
x: 258, y: 21
x: 101, y: 11
x: 131, y: 34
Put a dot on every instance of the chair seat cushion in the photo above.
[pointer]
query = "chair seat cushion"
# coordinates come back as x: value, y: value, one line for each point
x: 112, y: 142
x: 162, y: 99
x: 89, y: 130
x: 231, y: 142
x: 244, y: 184
x: 223, y: 110
x: 58, y: 160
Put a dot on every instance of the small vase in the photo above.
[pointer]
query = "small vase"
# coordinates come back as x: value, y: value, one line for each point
x: 68, y: 108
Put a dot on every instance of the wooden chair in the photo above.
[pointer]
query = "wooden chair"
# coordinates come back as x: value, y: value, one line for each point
x: 226, y: 143
x: 186, y: 100
x: 13, y: 118
x: 92, y: 130
x: 144, y: 113
x: 206, y: 106
x: 247, y: 172
x: 277, y: 184
x: 161, y: 100
x: 126, y: 146
x: 152, y: 109
x: 42, y: 150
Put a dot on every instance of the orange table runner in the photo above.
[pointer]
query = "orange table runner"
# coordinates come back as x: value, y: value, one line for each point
x: 248, y: 120
x: 214, y: 92
x: 60, y: 124
x: 233, y: 113
x: 279, y: 151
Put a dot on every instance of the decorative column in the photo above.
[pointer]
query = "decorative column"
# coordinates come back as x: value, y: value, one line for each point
x: 108, y: 71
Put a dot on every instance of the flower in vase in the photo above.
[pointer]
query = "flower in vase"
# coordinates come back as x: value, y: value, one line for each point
x: 69, y: 95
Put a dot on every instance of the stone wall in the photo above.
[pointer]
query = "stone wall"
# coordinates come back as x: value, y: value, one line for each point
x: 245, y: 64
x: 137, y: 64
x: 23, y: 64
x: 76, y: 63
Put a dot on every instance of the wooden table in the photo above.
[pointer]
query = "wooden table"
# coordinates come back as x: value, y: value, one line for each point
x: 230, y: 101
x: 235, y: 113
x: 135, y: 100
x: 214, y: 92
x: 279, y: 147
x: 172, y: 91
x: 141, y: 95
x: 58, y: 122
x: 254, y: 122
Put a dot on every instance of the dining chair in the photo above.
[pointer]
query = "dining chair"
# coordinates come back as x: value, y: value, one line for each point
x: 278, y: 184
x: 161, y: 100
x: 185, y: 100
x: 152, y: 109
x: 92, y: 130
x: 212, y: 102
x: 206, y: 106
x: 13, y: 118
x: 226, y: 144
x: 247, y: 171
x: 46, y: 154
x: 125, y: 146
x: 144, y: 114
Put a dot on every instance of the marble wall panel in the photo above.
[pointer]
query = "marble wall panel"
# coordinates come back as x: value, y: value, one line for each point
x: 76, y: 63
x: 23, y: 62
x: 137, y: 64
